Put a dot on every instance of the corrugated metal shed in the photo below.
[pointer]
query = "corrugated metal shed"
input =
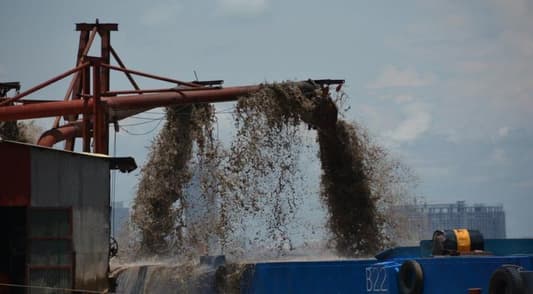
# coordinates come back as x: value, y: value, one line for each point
x: 65, y: 197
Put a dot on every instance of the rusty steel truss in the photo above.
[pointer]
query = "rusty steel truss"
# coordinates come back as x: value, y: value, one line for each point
x: 89, y: 106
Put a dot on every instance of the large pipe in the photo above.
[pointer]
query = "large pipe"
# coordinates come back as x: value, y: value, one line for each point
x: 53, y: 136
x: 49, y: 109
x: 114, y: 104
x: 121, y: 107
x: 118, y: 108
x: 132, y: 103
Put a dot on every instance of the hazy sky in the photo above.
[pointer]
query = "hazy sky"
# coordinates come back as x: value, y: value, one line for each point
x: 446, y: 85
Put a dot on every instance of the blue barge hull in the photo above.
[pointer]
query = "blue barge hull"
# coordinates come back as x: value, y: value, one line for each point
x: 443, y: 274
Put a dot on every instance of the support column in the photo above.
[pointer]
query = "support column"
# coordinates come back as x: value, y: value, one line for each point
x: 100, y: 124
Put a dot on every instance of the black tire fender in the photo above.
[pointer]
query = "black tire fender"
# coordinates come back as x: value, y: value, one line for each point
x: 411, y: 278
x: 506, y: 280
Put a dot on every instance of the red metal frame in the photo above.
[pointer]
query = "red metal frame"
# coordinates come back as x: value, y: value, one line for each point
x: 98, y: 106
x: 119, y: 61
x: 51, y: 137
x: 143, y: 91
x: 147, y: 75
x: 44, y: 84
x: 130, y: 102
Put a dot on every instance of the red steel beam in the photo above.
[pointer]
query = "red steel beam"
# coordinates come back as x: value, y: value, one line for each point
x: 44, y: 84
x: 147, y: 75
x: 100, y: 128
x: 86, y: 41
x: 115, y: 93
x: 119, y: 61
x: 101, y: 26
x: 105, y: 38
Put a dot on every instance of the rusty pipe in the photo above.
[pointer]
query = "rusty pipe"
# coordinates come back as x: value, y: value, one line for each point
x: 48, y: 109
x: 55, y: 135
x: 143, y: 101
x: 122, y: 107
x: 128, y: 105
x: 124, y: 103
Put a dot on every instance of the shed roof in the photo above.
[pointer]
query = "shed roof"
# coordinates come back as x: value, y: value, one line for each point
x: 124, y: 164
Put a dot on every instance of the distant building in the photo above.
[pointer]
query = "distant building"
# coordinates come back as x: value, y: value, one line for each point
x: 422, y: 220
x: 119, y: 216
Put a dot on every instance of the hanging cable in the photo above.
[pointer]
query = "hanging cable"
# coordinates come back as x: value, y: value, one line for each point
x: 142, y: 123
x: 159, y: 120
x: 147, y: 118
x: 114, y: 187
x: 141, y: 134
x: 154, y: 112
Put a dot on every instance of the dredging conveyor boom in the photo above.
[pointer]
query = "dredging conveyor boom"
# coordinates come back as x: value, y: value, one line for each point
x: 89, y: 106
